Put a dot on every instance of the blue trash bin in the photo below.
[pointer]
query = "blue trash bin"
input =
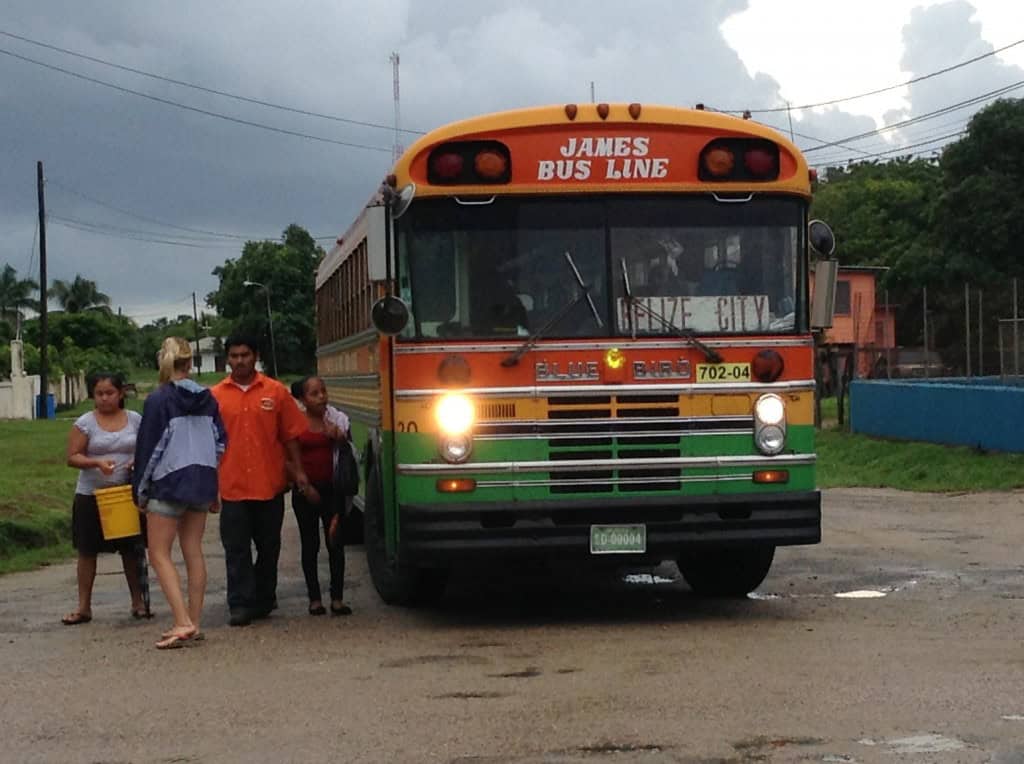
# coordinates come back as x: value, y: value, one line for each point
x: 51, y: 407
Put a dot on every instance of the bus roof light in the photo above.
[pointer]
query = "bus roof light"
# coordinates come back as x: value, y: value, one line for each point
x: 718, y: 161
x: 570, y: 111
x: 634, y: 110
x: 491, y: 164
x: 761, y: 163
x: 447, y: 166
x: 602, y: 110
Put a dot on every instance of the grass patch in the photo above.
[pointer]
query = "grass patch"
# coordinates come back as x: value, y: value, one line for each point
x: 36, y: 491
x: 853, y: 460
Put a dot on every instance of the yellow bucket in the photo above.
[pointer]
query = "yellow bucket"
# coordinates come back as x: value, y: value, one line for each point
x: 119, y: 516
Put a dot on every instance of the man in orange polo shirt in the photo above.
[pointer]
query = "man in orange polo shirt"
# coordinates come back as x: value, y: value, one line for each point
x: 262, y: 421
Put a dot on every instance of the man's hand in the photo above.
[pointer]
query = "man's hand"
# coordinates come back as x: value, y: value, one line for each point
x: 215, y: 506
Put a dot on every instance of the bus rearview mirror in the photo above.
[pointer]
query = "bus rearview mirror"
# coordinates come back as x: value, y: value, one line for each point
x: 823, y: 302
x: 389, y: 315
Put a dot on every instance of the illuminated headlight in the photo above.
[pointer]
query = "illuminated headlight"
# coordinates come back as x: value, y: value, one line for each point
x: 456, y: 448
x: 454, y: 414
x: 770, y: 409
x: 770, y: 424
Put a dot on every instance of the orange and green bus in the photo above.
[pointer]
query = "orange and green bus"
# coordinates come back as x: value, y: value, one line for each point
x: 580, y: 332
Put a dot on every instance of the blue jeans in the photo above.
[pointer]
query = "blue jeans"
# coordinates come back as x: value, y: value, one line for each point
x: 252, y: 585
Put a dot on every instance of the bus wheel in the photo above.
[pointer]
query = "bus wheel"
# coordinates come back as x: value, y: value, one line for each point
x: 728, y: 572
x: 397, y: 584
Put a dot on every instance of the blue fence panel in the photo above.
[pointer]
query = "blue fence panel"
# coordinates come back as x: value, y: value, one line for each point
x: 983, y: 412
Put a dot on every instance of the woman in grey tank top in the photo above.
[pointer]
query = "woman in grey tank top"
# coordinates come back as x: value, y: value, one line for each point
x: 102, y: 446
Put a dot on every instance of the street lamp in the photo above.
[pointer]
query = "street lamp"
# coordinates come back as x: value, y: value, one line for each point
x: 270, y: 318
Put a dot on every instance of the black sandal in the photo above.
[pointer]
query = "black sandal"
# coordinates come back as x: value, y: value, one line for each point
x: 341, y: 609
x: 317, y: 610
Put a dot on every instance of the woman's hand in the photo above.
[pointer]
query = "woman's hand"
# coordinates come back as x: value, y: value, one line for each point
x: 333, y: 432
x: 215, y: 506
x: 106, y: 466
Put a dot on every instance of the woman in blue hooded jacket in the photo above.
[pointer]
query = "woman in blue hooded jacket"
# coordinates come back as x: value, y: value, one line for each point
x: 177, y: 451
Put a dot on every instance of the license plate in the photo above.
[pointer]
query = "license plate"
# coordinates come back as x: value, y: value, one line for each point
x: 618, y: 539
x: 723, y: 372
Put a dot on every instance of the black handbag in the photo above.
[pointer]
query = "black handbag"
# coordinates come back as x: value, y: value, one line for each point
x: 346, y: 472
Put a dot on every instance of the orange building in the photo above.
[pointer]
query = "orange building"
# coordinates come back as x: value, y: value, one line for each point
x: 864, y: 323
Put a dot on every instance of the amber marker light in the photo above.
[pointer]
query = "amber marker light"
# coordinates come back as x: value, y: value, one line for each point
x: 719, y: 162
x: 614, y: 359
x: 456, y: 485
x: 771, y: 476
x: 490, y: 165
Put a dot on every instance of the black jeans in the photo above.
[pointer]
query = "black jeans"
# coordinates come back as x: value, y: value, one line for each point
x: 310, y: 518
x: 242, y: 524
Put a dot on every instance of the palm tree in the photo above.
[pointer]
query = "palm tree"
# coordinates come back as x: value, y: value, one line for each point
x: 15, y: 294
x: 81, y: 294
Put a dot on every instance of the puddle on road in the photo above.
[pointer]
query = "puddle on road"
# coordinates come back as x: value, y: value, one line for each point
x: 646, y: 578
x: 926, y: 743
x: 854, y: 594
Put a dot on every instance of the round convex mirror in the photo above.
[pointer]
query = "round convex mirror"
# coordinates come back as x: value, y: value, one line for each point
x: 822, y: 240
x: 389, y: 315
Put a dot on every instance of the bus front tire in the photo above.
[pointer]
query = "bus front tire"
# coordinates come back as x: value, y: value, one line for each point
x: 397, y: 584
x: 726, y: 572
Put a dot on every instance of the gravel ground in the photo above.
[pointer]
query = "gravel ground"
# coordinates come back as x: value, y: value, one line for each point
x: 559, y: 664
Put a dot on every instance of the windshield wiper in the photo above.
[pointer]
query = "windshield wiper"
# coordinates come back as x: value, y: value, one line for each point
x: 689, y: 335
x: 532, y: 340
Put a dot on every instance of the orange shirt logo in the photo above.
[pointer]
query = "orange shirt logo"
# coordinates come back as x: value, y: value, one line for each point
x: 267, y: 404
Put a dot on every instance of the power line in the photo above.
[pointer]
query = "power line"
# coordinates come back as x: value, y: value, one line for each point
x: 204, y: 89
x: 901, y: 149
x: 911, y: 81
x: 102, y: 225
x: 155, y: 221
x: 923, y: 117
x: 881, y: 144
x: 111, y: 234
x: 197, y: 110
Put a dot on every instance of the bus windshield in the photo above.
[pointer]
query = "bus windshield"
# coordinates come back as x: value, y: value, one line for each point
x: 500, y: 270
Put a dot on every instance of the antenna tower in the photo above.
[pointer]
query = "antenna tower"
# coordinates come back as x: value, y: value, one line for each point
x: 396, y: 151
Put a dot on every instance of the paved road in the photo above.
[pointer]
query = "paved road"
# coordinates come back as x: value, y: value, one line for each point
x: 558, y: 666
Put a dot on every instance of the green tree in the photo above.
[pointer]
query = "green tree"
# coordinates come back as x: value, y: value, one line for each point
x: 79, y: 295
x: 288, y: 270
x: 15, y: 294
x: 882, y: 214
x: 981, y: 211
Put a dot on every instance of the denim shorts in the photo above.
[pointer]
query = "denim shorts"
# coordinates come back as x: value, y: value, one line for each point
x: 172, y: 509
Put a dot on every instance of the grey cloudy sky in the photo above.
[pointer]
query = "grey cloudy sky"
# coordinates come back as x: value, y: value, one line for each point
x: 459, y: 58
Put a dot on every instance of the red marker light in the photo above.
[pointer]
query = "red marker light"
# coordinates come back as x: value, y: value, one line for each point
x: 767, y: 366
x: 760, y: 163
x: 447, y: 166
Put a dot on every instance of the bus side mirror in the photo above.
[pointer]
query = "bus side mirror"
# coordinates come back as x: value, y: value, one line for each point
x: 821, y: 238
x: 389, y: 315
x: 823, y: 301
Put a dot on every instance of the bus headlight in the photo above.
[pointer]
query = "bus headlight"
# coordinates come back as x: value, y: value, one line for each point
x: 456, y: 448
x: 770, y: 424
x: 454, y: 414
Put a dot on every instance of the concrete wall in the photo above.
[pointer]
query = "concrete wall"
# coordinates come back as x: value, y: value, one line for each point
x: 970, y: 412
x: 18, y: 394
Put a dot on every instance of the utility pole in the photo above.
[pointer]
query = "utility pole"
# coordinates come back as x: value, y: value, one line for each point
x: 198, y: 358
x: 44, y: 382
x: 396, y: 151
x: 593, y: 98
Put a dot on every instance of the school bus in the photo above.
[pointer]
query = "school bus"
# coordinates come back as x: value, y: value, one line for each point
x: 580, y: 332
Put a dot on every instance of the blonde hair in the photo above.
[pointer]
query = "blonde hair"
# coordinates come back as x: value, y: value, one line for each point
x: 175, y: 355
